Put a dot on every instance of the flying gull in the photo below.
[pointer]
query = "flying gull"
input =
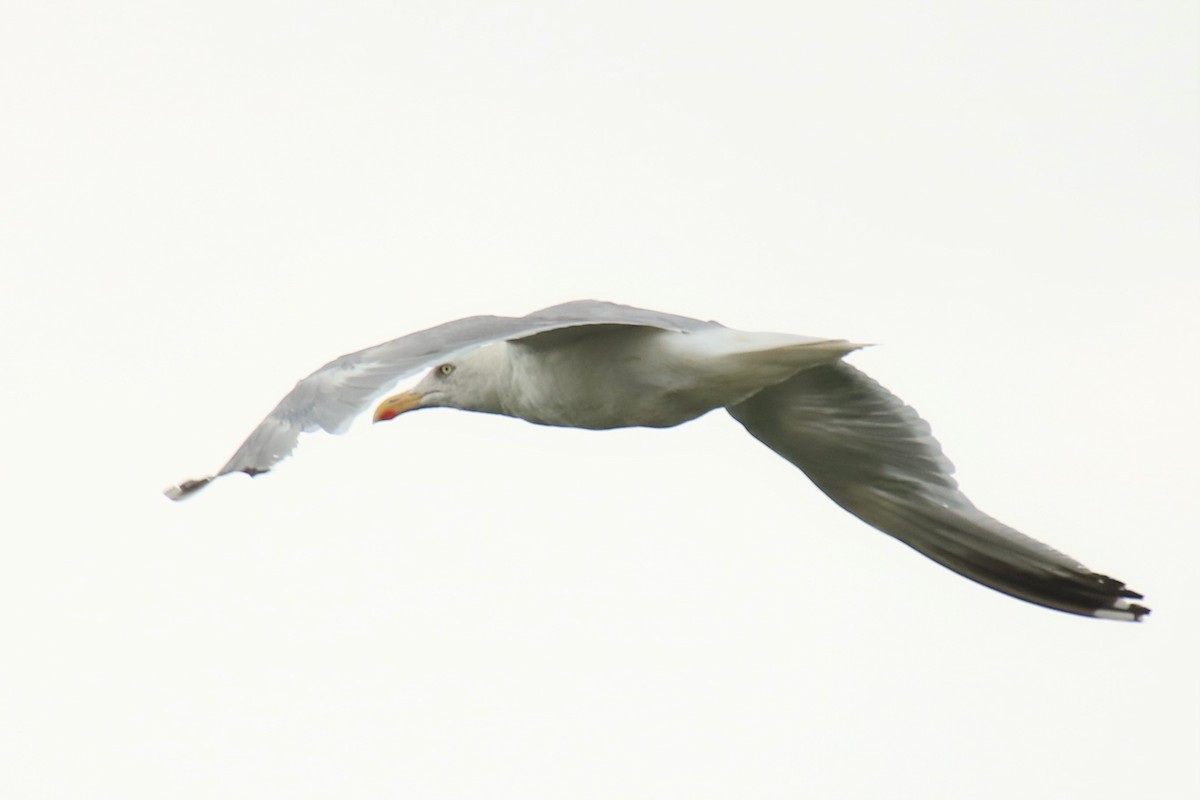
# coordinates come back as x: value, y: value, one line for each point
x: 597, y: 365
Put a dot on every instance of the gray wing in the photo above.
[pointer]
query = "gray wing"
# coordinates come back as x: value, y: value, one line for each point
x: 333, y: 396
x: 877, y: 459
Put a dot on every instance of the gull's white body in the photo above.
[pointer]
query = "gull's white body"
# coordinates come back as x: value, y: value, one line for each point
x: 598, y: 365
x: 621, y: 376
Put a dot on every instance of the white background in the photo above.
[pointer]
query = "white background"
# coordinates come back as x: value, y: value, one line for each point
x: 202, y: 202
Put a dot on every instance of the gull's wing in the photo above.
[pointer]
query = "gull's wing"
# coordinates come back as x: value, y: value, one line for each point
x: 333, y: 396
x: 876, y: 458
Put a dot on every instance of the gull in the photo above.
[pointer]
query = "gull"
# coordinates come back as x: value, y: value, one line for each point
x: 597, y: 365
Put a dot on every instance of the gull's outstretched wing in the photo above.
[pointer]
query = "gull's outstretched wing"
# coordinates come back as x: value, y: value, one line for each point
x: 333, y: 396
x: 876, y: 458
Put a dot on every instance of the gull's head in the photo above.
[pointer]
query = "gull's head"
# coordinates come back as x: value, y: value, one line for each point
x: 425, y: 394
x: 465, y: 383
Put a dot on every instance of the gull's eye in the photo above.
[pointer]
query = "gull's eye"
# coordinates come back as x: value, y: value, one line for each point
x: 445, y: 369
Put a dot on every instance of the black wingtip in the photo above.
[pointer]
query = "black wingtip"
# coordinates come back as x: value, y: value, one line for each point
x: 1126, y: 612
x: 1119, y: 606
x: 187, y: 488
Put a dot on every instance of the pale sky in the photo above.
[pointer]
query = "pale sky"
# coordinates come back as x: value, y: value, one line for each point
x: 203, y: 202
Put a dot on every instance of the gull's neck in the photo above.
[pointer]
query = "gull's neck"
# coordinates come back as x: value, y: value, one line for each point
x: 485, y: 380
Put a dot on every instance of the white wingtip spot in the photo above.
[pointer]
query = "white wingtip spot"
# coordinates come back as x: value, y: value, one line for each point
x: 1112, y: 613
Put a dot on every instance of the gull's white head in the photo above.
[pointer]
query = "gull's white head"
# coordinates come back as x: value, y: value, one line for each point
x: 468, y: 383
